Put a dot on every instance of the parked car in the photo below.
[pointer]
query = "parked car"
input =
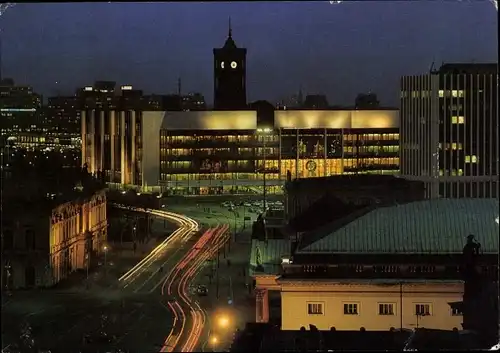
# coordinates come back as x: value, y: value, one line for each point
x: 202, y: 290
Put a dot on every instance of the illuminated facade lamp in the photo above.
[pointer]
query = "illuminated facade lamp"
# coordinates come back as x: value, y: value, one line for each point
x: 264, y: 130
x: 88, y: 89
x: 286, y: 261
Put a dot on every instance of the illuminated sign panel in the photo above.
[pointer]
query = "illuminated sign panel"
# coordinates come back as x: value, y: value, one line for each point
x: 126, y: 88
x: 89, y: 88
x: 14, y: 110
x: 336, y: 119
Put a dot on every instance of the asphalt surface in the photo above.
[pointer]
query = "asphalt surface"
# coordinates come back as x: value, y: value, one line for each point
x: 111, y: 315
x: 135, y: 311
x: 190, y: 318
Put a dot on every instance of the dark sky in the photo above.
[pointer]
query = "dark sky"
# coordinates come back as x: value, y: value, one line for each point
x: 338, y: 50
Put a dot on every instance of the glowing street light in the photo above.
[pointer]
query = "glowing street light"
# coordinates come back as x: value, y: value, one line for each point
x: 105, y: 248
x: 223, y: 322
x: 214, y: 340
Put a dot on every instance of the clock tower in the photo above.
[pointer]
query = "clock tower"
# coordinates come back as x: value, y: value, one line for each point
x: 230, y: 76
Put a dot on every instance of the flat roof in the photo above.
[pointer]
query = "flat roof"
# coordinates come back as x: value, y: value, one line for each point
x: 423, y: 227
x: 284, y: 119
x: 203, y: 120
x: 372, y: 281
x: 268, y: 255
x: 336, y: 119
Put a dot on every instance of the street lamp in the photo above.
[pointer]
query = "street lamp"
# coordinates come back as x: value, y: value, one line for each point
x: 265, y: 132
x: 214, y: 341
x: 223, y: 322
x: 105, y: 254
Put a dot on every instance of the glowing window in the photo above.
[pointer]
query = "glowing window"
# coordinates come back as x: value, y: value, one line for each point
x: 441, y: 93
x: 471, y: 159
x: 457, y: 119
x: 457, y: 93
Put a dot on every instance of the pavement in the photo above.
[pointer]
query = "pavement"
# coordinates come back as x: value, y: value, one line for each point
x: 134, y: 308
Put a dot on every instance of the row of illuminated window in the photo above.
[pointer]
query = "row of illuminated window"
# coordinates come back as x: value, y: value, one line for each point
x: 275, y: 163
x: 451, y: 146
x: 420, y: 309
x: 375, y: 149
x: 454, y: 93
x: 275, y: 138
x: 179, y: 139
x: 453, y: 172
x: 268, y: 150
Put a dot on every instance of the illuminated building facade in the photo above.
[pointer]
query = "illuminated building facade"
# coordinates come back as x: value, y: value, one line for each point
x: 43, y: 245
x: 212, y: 152
x: 449, y: 130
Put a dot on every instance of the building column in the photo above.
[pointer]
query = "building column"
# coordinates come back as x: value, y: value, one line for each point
x: 92, y: 166
x: 124, y: 159
x: 83, y: 121
x: 112, y: 139
x: 133, y: 148
x: 102, y: 139
x: 262, y: 305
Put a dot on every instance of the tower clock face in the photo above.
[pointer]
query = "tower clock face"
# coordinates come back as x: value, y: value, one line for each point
x: 222, y: 65
x: 234, y: 65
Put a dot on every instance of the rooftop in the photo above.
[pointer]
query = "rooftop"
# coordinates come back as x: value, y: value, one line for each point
x: 266, y: 338
x: 265, y: 256
x: 423, y: 227
x: 353, y: 181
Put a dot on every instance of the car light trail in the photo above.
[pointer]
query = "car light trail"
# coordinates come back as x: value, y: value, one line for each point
x: 191, y: 264
x: 188, y: 226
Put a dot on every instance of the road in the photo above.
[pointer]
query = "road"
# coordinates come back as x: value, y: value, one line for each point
x: 129, y: 308
x: 148, y: 274
x: 189, y: 318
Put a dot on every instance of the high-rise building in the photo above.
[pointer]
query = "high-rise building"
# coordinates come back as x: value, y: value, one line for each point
x: 230, y: 76
x: 449, y: 130
x: 366, y: 101
x: 316, y: 101
x: 20, y: 110
x: 63, y: 114
x: 193, y: 101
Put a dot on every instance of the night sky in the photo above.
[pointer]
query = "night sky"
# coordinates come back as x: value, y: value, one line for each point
x: 338, y: 50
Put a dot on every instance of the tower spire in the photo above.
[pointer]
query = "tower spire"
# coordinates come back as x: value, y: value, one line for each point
x: 230, y: 29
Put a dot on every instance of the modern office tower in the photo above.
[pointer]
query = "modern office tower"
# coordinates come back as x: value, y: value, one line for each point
x: 449, y: 130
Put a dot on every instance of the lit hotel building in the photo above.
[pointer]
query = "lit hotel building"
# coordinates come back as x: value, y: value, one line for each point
x: 449, y: 130
x: 212, y: 152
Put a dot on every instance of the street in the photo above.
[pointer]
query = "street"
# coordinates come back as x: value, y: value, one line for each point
x: 190, y: 319
x: 149, y: 307
x: 117, y: 313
